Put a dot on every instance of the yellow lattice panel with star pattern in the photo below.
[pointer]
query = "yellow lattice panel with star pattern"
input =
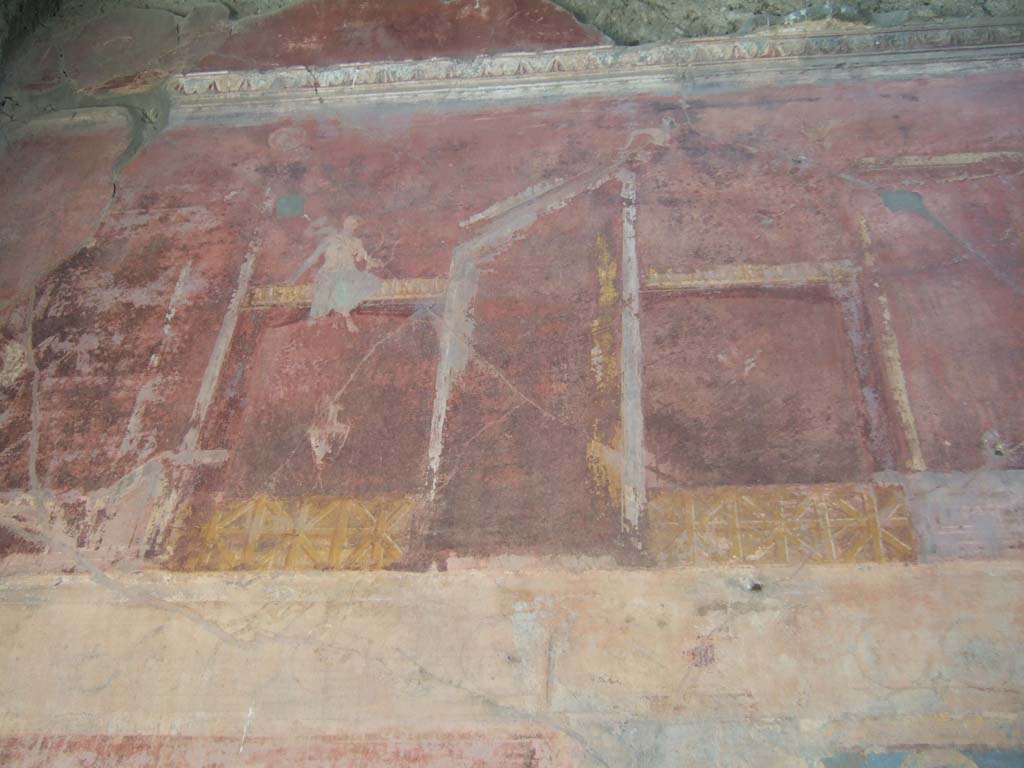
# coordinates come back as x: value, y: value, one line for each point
x: 305, y: 533
x: 781, y: 524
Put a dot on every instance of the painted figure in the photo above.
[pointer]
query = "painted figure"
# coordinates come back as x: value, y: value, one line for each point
x: 340, y: 284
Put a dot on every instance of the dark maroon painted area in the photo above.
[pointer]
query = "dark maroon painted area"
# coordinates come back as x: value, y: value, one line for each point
x: 101, y: 331
x: 306, y: 374
x: 956, y: 277
x: 751, y: 388
x: 714, y: 203
x: 515, y: 473
x: 70, y: 160
x: 329, y: 31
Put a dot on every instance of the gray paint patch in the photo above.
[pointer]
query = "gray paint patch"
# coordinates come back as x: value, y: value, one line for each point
x: 967, y: 515
x: 634, y: 472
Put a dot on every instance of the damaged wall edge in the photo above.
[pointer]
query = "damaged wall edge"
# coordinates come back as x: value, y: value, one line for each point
x: 146, y: 111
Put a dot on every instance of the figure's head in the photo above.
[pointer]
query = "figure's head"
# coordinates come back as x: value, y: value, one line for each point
x: 319, y: 227
x: 350, y: 223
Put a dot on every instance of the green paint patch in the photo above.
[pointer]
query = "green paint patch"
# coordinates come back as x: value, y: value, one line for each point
x: 981, y: 759
x: 997, y: 759
x: 904, y: 200
x: 290, y: 206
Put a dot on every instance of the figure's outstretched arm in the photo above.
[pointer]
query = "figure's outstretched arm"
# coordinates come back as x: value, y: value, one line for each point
x: 313, y: 258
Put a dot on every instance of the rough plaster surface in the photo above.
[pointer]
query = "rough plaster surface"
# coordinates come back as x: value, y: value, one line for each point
x: 640, y: 21
x: 18, y: 19
x: 599, y: 668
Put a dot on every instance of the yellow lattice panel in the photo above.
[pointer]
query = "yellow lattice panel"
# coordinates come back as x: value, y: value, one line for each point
x: 781, y: 524
x: 305, y: 533
x: 402, y: 291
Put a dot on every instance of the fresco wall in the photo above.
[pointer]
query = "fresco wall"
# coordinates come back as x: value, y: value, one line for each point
x: 731, y: 367
x: 641, y: 329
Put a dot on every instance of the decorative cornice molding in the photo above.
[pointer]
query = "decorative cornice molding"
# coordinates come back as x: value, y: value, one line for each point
x: 602, y: 68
